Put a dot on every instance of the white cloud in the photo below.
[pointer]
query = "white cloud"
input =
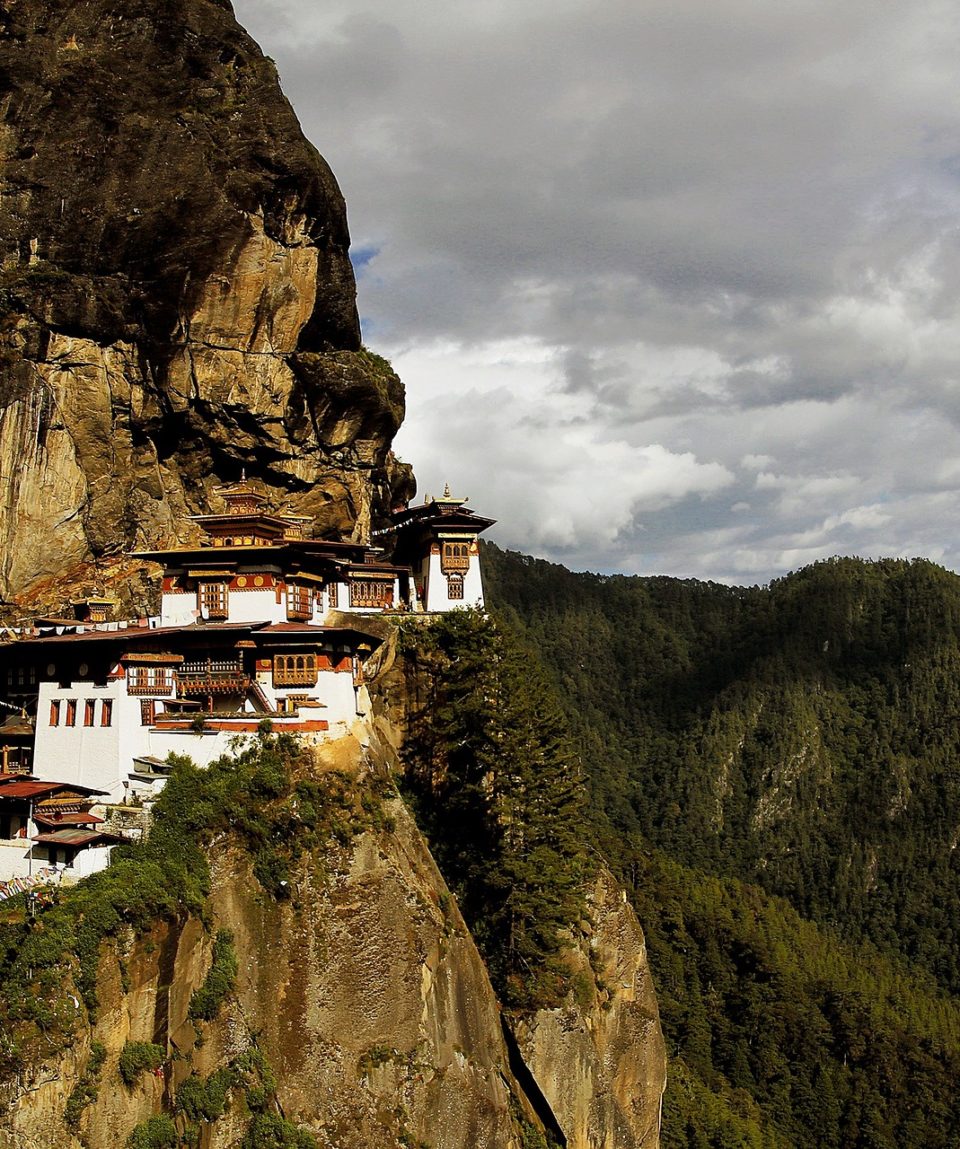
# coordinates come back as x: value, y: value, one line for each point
x: 670, y: 285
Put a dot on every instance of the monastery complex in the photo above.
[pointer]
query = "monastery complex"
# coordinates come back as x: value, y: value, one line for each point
x: 257, y: 623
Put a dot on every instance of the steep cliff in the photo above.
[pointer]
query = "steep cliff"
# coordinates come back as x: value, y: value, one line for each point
x: 177, y: 298
x: 363, y: 993
x: 176, y: 304
x: 599, y: 1058
x: 584, y: 1027
x: 351, y: 1004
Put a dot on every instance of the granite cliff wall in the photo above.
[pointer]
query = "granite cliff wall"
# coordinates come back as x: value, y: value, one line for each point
x: 365, y: 994
x: 176, y: 297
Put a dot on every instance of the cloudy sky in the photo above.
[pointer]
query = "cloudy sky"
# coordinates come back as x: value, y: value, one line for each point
x: 672, y: 284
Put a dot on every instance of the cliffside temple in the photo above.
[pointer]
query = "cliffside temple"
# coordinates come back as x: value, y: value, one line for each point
x: 257, y: 624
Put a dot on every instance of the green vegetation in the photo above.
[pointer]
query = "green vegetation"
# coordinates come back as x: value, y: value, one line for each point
x: 206, y: 1001
x: 138, y: 1057
x: 204, y: 1100
x: 158, y: 1132
x: 783, y: 1036
x: 268, y: 1131
x: 497, y: 788
x: 802, y: 738
x: 87, y: 1087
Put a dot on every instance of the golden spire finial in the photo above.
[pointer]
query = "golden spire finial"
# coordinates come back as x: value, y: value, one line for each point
x: 446, y: 490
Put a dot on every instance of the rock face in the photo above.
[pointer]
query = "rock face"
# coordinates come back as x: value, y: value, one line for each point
x: 177, y: 303
x: 365, y: 993
x: 600, y: 1061
x: 176, y: 297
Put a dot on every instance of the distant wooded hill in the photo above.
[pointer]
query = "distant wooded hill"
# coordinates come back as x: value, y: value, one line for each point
x: 803, y: 738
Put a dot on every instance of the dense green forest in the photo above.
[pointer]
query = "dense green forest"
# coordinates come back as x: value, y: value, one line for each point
x: 775, y: 772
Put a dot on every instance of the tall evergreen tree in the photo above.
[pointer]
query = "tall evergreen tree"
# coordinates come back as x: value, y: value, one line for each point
x: 499, y: 789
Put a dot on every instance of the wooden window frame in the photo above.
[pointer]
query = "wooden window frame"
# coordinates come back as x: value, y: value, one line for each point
x: 299, y: 601
x: 106, y: 712
x: 89, y: 711
x: 213, y: 597
x: 379, y: 593
x: 454, y: 557
x: 295, y: 669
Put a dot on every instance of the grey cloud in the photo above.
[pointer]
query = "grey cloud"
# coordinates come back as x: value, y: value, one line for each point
x: 731, y: 227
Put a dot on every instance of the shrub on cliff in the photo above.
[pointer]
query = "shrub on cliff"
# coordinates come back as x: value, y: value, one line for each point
x: 206, y: 1001
x: 138, y: 1057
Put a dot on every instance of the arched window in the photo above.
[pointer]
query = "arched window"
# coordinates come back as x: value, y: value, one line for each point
x: 454, y: 557
x: 294, y: 669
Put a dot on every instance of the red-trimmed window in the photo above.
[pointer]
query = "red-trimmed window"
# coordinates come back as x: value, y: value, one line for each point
x: 89, y: 709
x: 149, y: 679
x: 71, y: 719
x: 148, y: 712
x: 294, y: 669
x: 55, y: 712
x: 455, y: 557
x: 106, y: 712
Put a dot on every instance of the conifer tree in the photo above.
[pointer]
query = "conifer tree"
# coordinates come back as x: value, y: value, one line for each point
x: 499, y: 788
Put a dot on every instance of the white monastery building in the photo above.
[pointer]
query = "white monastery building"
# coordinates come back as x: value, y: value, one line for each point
x: 257, y: 623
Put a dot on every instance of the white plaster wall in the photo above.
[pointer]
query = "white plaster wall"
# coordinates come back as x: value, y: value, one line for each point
x: 178, y: 609
x: 436, y: 586
x: 14, y: 858
x: 87, y: 862
x: 333, y: 688
x: 336, y: 690
x: 96, y: 756
x: 256, y: 606
x: 201, y: 748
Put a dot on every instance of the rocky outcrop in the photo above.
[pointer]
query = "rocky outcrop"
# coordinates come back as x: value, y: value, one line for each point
x: 364, y: 992
x: 600, y: 1060
x: 176, y: 297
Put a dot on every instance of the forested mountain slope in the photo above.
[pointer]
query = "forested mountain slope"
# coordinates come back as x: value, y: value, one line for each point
x: 802, y: 738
